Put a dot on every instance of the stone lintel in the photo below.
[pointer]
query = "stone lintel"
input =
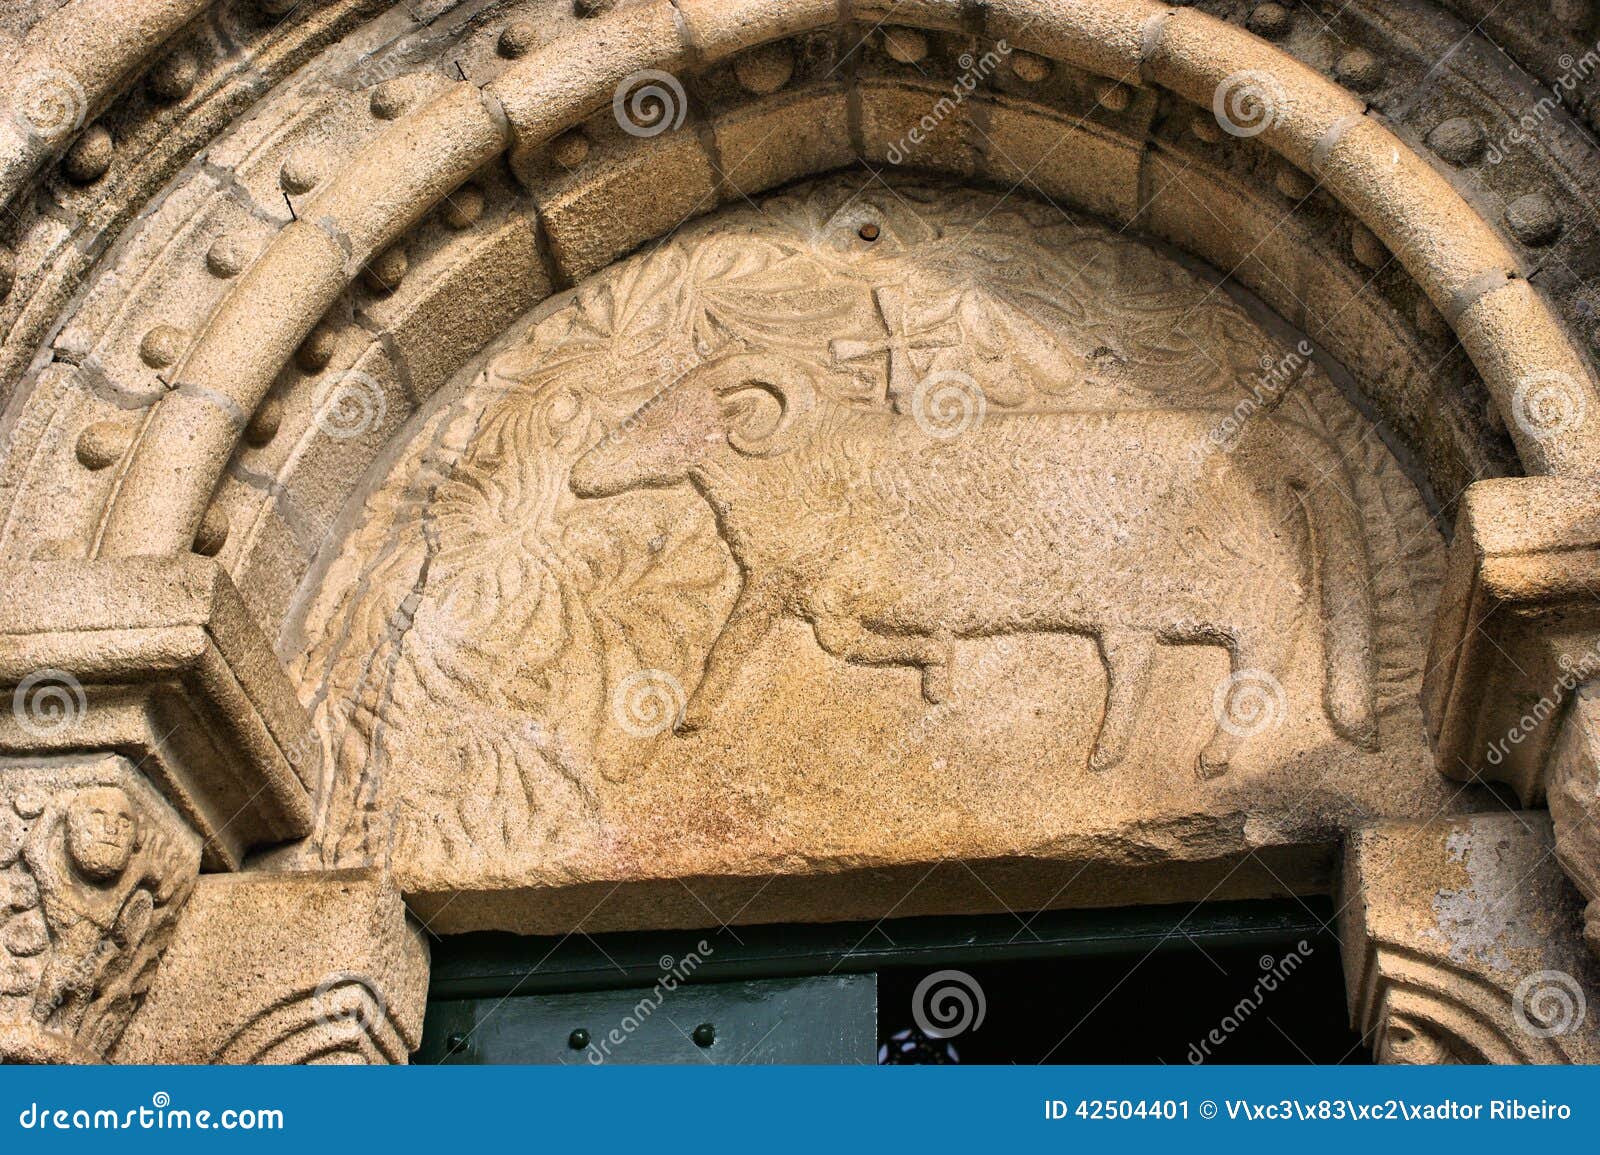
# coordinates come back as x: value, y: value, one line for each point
x: 1517, y: 628
x: 158, y: 660
x: 287, y: 968
x: 1462, y: 943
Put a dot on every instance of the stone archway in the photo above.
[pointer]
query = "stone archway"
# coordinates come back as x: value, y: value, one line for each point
x: 229, y: 358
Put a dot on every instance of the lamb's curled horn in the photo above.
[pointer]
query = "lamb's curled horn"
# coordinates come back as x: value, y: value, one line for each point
x: 787, y: 381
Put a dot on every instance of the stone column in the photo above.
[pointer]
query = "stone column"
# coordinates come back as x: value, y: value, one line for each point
x: 148, y: 732
x: 1515, y: 646
x: 1463, y: 943
x: 287, y: 968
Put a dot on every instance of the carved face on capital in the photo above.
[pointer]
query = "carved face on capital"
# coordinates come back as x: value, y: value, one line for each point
x: 101, y: 832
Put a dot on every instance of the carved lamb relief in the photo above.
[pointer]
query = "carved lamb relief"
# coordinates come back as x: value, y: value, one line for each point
x: 1173, y: 547
x: 776, y: 543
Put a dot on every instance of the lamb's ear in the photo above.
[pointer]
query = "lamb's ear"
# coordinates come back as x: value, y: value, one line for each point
x: 781, y: 381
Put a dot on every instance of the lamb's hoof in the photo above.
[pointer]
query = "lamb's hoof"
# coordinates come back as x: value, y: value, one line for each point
x: 1102, y: 760
x: 1364, y: 734
x: 1210, y: 765
x: 936, y: 684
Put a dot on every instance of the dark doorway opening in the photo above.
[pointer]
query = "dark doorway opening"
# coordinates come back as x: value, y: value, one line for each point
x: 1187, y: 1004
x: 1241, y: 982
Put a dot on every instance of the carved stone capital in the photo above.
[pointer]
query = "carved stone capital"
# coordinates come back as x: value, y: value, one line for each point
x: 1574, y: 796
x: 1463, y: 943
x: 1518, y: 628
x: 158, y: 660
x: 94, y: 870
x: 287, y: 968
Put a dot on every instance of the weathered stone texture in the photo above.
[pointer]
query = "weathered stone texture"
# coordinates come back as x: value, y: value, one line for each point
x: 95, y: 870
x: 645, y: 463
x: 1463, y: 944
x: 283, y: 968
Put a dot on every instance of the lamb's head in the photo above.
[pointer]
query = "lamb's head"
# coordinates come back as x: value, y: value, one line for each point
x: 746, y: 405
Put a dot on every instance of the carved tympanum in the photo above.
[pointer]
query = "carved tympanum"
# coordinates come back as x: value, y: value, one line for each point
x: 788, y: 509
x: 95, y: 868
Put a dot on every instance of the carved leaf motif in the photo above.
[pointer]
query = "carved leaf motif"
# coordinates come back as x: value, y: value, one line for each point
x: 1059, y: 308
x: 759, y: 294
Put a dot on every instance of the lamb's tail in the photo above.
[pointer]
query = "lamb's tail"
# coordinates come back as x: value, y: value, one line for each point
x: 1348, y: 611
x: 1339, y: 543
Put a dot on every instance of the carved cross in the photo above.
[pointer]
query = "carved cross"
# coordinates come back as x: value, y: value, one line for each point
x: 900, y: 343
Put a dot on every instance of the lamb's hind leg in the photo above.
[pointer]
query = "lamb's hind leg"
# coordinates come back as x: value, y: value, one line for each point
x: 1127, y: 655
x: 850, y: 641
x: 1251, y: 701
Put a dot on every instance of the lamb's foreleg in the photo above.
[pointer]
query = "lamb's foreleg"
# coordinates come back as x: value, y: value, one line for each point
x: 847, y: 639
x: 754, y: 611
x: 1127, y: 655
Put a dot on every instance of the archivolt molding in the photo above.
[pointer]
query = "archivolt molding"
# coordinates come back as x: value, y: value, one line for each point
x: 1469, y: 273
x: 168, y: 84
x: 69, y: 66
x: 186, y: 398
x: 388, y: 271
x: 1550, y: 48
